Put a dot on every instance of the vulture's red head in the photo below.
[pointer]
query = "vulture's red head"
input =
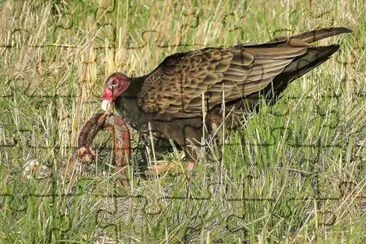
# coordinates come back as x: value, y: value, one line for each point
x: 115, y: 85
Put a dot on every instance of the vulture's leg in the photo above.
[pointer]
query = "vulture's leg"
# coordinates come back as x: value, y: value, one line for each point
x: 169, y: 167
x: 191, y: 142
x: 186, y: 137
x: 191, y: 156
x: 176, y: 165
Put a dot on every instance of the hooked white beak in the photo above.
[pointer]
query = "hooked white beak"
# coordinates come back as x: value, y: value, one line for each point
x: 107, y: 106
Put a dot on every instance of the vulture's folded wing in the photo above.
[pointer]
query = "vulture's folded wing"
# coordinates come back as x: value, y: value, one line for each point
x: 177, y: 86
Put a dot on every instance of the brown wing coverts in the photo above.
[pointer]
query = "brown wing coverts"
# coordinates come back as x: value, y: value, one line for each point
x: 176, y: 86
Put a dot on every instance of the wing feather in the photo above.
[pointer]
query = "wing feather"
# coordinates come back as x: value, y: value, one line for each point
x: 176, y: 86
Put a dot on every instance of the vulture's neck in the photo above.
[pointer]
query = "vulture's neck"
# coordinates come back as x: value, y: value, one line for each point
x: 126, y: 105
x: 134, y: 87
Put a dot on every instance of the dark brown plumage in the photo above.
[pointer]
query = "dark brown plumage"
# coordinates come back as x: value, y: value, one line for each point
x: 170, y: 98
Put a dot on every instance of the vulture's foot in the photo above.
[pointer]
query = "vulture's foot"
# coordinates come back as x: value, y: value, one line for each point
x: 117, y: 127
x: 169, y: 167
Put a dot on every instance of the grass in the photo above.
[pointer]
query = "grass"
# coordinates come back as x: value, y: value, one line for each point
x: 294, y: 174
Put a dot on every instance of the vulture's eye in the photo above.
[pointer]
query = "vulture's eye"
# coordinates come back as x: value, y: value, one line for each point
x: 113, y: 84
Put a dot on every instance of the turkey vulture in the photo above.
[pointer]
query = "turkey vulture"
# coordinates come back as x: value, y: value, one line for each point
x: 190, y: 88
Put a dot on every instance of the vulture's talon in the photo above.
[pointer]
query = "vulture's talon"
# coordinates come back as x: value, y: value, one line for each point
x: 169, y: 167
x: 190, y: 165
